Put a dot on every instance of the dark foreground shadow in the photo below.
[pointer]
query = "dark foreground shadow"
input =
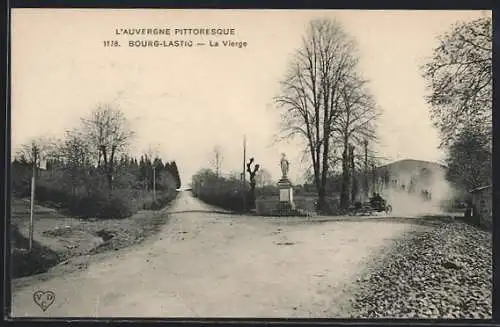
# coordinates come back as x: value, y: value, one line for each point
x: 220, y: 212
x: 424, y: 220
x: 25, y: 263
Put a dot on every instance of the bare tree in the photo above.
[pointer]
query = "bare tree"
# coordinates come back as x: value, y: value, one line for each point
x: 263, y: 178
x: 75, y: 152
x: 218, y: 158
x: 109, y: 134
x: 355, y: 126
x: 252, y: 173
x: 460, y: 79
x: 312, y: 90
x: 36, y: 150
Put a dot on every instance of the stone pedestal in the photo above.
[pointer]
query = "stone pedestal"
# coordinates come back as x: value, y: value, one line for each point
x: 286, y: 191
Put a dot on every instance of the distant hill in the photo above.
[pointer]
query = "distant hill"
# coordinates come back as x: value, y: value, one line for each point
x: 409, y: 166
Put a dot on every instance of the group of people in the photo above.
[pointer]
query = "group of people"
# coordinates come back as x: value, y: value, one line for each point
x: 426, y: 195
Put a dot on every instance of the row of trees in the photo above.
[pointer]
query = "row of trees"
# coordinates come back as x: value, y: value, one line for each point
x: 460, y: 82
x: 327, y: 104
x: 129, y: 173
x: 91, y: 165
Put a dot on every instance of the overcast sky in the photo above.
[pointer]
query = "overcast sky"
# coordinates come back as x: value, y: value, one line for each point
x: 184, y: 101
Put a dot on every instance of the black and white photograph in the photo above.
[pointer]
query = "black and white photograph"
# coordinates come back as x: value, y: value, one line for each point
x: 223, y: 163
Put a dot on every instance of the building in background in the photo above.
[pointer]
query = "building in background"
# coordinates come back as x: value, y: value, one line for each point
x: 482, y: 205
x: 422, y: 178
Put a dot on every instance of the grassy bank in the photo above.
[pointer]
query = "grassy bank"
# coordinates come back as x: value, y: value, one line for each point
x: 60, y: 238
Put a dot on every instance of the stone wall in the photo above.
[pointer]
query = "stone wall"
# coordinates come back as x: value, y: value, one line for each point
x: 266, y: 207
x: 272, y: 206
x: 303, y: 206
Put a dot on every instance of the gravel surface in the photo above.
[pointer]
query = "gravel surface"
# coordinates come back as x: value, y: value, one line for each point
x: 442, y: 273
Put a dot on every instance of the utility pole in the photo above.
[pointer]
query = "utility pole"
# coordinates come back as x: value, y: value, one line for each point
x: 218, y: 159
x: 243, y: 179
x: 367, y: 186
x: 154, y: 183
x: 32, y: 204
x: 244, y: 158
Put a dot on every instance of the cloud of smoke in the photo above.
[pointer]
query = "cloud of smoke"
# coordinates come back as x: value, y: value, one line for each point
x: 405, y: 203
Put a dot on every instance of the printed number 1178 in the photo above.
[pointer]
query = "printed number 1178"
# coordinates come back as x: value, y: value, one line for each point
x: 113, y: 43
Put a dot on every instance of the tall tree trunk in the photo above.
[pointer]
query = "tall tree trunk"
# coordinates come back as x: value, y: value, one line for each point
x: 107, y: 168
x: 324, y: 173
x: 317, y: 180
x: 111, y: 164
x: 354, y: 186
x: 322, y: 189
x: 109, y: 178
x: 355, y: 190
x: 321, y: 199
x: 252, y: 195
x: 375, y: 179
x: 366, y: 187
x: 344, y: 192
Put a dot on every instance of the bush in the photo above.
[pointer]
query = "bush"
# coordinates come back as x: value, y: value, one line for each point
x: 161, y: 201
x: 227, y: 200
x: 117, y: 207
x: 156, y: 205
x: 332, y: 206
x: 219, y: 191
x: 21, y: 188
x: 51, y: 196
x: 119, y: 204
x: 86, y: 206
x: 20, y: 179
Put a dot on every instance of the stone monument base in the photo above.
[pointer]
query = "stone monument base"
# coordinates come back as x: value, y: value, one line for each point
x: 286, y: 191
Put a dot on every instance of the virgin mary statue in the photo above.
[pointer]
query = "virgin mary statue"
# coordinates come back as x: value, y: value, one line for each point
x: 284, y: 165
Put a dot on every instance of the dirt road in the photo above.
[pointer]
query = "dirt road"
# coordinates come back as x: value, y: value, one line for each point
x: 211, y: 264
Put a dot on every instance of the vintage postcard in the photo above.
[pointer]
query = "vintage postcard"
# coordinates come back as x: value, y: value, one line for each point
x: 251, y: 163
